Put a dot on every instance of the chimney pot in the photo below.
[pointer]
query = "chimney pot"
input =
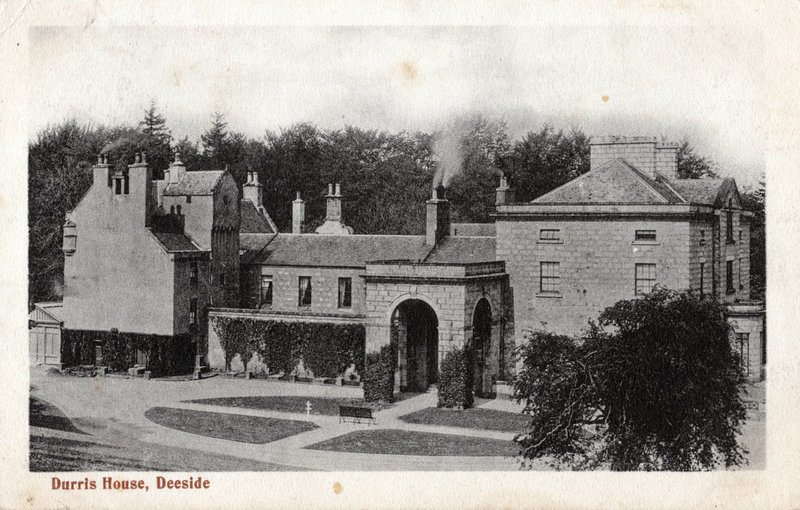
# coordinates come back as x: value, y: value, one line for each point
x: 298, y: 196
x: 144, y: 157
x: 338, y: 190
x: 99, y: 159
x: 330, y: 189
x: 137, y: 158
x: 255, y: 177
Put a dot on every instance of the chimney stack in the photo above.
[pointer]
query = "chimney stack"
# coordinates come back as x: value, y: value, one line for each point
x: 505, y: 195
x: 140, y: 185
x: 177, y: 170
x: 645, y: 153
x: 252, y: 190
x: 298, y: 214
x: 101, y: 172
x: 333, y: 218
x: 437, y: 221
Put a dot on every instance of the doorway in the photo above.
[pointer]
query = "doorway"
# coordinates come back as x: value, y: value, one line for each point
x: 481, y: 342
x: 416, y: 329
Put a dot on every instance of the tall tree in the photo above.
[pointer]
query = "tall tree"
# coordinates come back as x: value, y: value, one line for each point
x: 692, y: 165
x: 654, y: 386
x: 156, y: 140
x: 545, y: 159
x: 214, y: 141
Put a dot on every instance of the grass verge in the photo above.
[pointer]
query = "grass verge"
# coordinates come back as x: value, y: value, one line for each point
x: 233, y: 427
x: 403, y: 442
x: 476, y: 418
x: 288, y: 404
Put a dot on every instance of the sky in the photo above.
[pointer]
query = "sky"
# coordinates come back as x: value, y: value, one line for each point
x: 679, y: 81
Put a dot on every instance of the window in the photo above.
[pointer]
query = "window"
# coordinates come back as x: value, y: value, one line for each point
x: 265, y: 295
x: 117, y: 186
x: 109, y: 174
x: 345, y: 292
x: 740, y: 234
x: 645, y: 235
x: 645, y: 278
x: 702, y: 237
x: 702, y: 278
x: 178, y: 207
x: 125, y: 185
x: 741, y: 281
x: 222, y: 279
x: 304, y: 291
x: 193, y: 273
x: 188, y: 199
x: 172, y: 209
x: 729, y: 277
x: 550, y: 235
x: 729, y: 224
x: 763, y: 348
x: 743, y: 344
x: 549, y: 279
x: 193, y: 311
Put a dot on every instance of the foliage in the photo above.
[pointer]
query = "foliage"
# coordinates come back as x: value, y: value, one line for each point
x: 693, y: 166
x: 544, y: 160
x: 654, y: 386
x: 165, y: 355
x: 379, y: 374
x: 455, y: 383
x: 327, y: 349
x: 754, y: 201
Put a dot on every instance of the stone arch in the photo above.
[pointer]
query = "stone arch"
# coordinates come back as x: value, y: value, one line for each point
x: 480, y: 345
x: 414, y: 326
x: 405, y: 297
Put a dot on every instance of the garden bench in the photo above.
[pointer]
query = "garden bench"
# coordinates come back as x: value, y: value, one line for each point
x: 355, y: 414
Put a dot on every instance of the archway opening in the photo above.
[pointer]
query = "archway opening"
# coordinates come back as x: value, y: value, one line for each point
x: 415, y: 328
x: 481, y: 342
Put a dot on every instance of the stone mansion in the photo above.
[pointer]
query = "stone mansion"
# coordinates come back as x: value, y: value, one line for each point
x: 165, y: 257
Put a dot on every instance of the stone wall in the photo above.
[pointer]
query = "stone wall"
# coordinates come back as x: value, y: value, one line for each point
x: 749, y: 319
x: 596, y: 266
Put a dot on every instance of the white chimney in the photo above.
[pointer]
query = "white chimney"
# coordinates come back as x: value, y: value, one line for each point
x: 298, y: 214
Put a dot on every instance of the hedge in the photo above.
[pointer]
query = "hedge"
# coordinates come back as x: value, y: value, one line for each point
x: 455, y: 384
x: 379, y: 374
x: 166, y: 355
x: 327, y: 349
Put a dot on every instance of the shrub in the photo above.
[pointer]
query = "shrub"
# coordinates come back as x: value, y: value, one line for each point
x: 379, y: 374
x: 455, y: 386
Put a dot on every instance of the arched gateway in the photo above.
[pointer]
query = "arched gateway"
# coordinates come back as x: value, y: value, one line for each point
x: 415, y: 329
x: 430, y: 309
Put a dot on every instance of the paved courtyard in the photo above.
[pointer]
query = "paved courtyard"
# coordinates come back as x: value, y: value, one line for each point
x: 110, y: 411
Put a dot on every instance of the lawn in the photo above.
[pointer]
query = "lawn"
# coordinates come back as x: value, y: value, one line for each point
x: 43, y: 414
x: 319, y: 405
x: 476, y: 418
x: 402, y: 442
x: 233, y: 427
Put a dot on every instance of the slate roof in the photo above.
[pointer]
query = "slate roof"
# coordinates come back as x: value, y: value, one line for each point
x: 52, y: 308
x: 463, y: 250
x: 312, y: 250
x: 195, y: 183
x: 253, y: 221
x: 176, y: 242
x: 473, y: 229
x: 614, y: 182
x: 701, y: 191
x: 618, y: 182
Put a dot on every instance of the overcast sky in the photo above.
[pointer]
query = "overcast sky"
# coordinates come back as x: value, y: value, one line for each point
x: 633, y: 81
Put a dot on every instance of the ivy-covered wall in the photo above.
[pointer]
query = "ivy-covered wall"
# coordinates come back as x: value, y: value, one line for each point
x: 327, y: 349
x: 164, y: 355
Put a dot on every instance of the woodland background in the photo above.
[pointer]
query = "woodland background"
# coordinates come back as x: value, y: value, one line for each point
x: 385, y: 177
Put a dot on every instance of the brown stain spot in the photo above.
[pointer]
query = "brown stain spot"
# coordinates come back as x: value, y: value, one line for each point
x: 409, y: 70
x: 337, y: 488
x: 605, y: 99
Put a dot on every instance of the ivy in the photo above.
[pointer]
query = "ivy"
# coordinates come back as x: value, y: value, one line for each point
x: 455, y: 380
x: 327, y: 349
x: 164, y: 355
x: 379, y: 374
